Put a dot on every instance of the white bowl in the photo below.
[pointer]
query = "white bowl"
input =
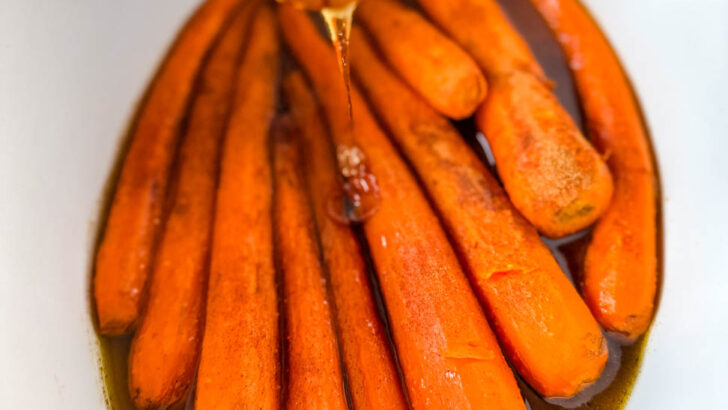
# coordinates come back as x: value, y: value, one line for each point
x: 72, y: 72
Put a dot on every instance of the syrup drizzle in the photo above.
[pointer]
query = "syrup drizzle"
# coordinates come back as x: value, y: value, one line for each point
x: 360, y: 197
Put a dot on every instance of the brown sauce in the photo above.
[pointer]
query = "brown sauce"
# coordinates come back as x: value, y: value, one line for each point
x: 611, y: 391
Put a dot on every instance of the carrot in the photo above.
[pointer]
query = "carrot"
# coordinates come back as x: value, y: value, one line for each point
x: 371, y: 372
x: 124, y: 258
x: 239, y: 364
x: 314, y: 378
x: 449, y: 356
x: 552, y: 175
x: 483, y: 30
x: 441, y: 71
x: 165, y: 348
x: 547, y: 331
x: 620, y: 278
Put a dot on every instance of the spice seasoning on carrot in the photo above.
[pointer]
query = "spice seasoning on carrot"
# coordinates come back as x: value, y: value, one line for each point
x: 239, y: 364
x: 165, y: 348
x: 620, y: 279
x: 449, y: 355
x: 314, y: 378
x: 440, y: 71
x: 371, y: 373
x: 545, y: 328
x: 124, y: 258
x: 553, y: 176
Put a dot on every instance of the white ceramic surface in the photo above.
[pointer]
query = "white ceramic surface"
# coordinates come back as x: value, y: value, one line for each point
x: 72, y: 71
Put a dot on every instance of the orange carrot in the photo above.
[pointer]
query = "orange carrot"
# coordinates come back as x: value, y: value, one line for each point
x: 165, y: 348
x: 312, y: 356
x: 125, y: 254
x: 483, y: 30
x: 621, y: 263
x: 430, y: 62
x: 546, y: 329
x: 239, y: 365
x: 371, y: 372
x: 449, y: 356
x: 553, y: 176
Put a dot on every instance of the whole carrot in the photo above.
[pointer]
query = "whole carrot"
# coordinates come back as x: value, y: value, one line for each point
x: 620, y: 276
x: 440, y: 71
x: 371, y: 372
x: 547, y: 331
x: 239, y: 364
x: 552, y: 175
x: 449, y: 355
x: 483, y: 30
x: 314, y: 378
x: 166, y: 346
x: 124, y: 258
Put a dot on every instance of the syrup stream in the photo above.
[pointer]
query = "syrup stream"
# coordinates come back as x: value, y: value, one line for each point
x: 360, y: 190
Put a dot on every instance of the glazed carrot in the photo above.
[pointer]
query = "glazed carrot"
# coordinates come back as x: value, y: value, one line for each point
x: 165, y: 348
x: 239, y: 364
x: 371, y: 372
x: 314, y: 378
x: 449, y: 356
x: 552, y: 175
x: 124, y: 257
x: 435, y: 66
x: 547, y: 331
x: 483, y: 30
x: 621, y: 263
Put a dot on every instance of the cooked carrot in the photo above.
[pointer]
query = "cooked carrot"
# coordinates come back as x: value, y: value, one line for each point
x: 621, y: 263
x: 553, y: 176
x: 482, y: 29
x: 430, y: 62
x: 449, y: 356
x: 371, y: 372
x: 166, y: 346
x: 314, y: 378
x: 125, y: 255
x: 239, y: 364
x: 546, y: 329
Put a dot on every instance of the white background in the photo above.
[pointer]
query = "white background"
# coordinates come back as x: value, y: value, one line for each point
x: 72, y: 71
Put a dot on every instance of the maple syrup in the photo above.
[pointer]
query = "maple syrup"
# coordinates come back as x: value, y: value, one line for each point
x: 360, y: 198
